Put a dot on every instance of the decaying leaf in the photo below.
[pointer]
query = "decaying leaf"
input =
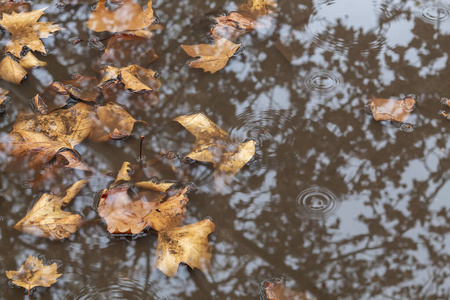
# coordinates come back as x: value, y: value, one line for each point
x: 3, y: 96
x: 212, y: 58
x: 8, y: 6
x: 125, y: 49
x: 277, y: 291
x: 128, y: 16
x: 392, y: 110
x: 213, y: 145
x: 134, y: 77
x: 46, y: 219
x: 123, y: 215
x: 33, y: 273
x: 188, y: 244
x: 259, y: 7
x: 38, y: 138
x: 27, y: 31
x: 232, y: 26
x: 11, y: 70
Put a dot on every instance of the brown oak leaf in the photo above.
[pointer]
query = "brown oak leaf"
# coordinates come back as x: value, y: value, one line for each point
x: 46, y: 219
x: 211, y: 58
x: 27, y: 31
x: 128, y: 16
x: 188, y: 244
x: 33, y: 273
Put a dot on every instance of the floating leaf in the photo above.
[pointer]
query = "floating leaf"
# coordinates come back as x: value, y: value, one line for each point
x: 232, y: 26
x: 277, y: 291
x: 212, y: 58
x: 213, y: 145
x: 188, y: 244
x: 3, y: 96
x: 128, y: 16
x: 11, y: 71
x: 46, y: 219
x: 392, y: 110
x: 27, y: 31
x: 135, y: 78
x: 33, y: 273
x: 30, y: 61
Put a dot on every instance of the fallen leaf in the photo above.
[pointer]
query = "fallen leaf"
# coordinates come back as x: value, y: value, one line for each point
x: 46, y: 219
x: 8, y: 6
x: 212, y: 58
x: 213, y: 145
x: 33, y: 273
x: 392, y: 110
x: 30, y: 61
x: 11, y: 71
x: 135, y: 78
x: 125, y: 49
x: 115, y: 91
x: 277, y: 291
x: 232, y: 26
x: 128, y: 16
x: 188, y: 244
x: 3, y: 94
x: 27, y: 31
x: 259, y: 7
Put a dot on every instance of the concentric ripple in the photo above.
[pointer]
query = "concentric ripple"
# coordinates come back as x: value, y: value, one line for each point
x: 279, y: 135
x: 434, y: 14
x: 317, y: 202
x: 323, y: 81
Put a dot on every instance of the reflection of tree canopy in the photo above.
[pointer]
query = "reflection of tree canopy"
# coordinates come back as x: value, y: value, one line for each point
x: 388, y: 239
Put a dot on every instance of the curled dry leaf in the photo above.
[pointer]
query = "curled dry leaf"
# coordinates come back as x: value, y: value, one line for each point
x: 128, y: 16
x: 46, y: 219
x: 213, y: 145
x: 33, y: 273
x: 8, y: 6
x: 211, y: 58
x: 134, y: 77
x: 232, y: 26
x: 126, y: 49
x: 392, y: 110
x: 188, y: 244
x: 124, y: 215
x: 259, y: 7
x: 3, y: 96
x: 11, y: 70
x: 277, y: 291
x: 38, y: 138
x: 27, y: 31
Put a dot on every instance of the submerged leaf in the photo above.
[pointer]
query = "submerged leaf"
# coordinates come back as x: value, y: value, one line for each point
x: 259, y: 7
x: 11, y: 71
x: 212, y: 58
x: 8, y: 6
x: 277, y: 291
x: 129, y: 16
x: 3, y: 96
x: 213, y: 145
x: 27, y: 31
x: 392, y: 110
x: 46, y: 219
x: 33, y: 273
x: 188, y: 244
x: 232, y: 26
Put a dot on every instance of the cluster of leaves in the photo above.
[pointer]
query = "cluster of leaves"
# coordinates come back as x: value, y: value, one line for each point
x: 213, y: 58
x: 68, y: 112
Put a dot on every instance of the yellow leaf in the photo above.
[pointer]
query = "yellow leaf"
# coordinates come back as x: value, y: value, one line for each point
x: 12, y: 71
x: 134, y: 77
x: 30, y: 61
x: 27, y: 31
x: 212, y: 58
x: 129, y: 16
x: 33, y: 273
x: 188, y: 244
x: 46, y: 219
x: 3, y: 96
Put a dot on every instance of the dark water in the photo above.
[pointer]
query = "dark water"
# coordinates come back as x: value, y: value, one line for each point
x: 338, y: 204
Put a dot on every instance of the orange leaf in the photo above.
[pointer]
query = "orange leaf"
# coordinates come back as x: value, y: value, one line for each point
x: 232, y: 26
x: 212, y: 58
x: 12, y: 71
x: 8, y: 6
x: 392, y: 110
x: 129, y: 16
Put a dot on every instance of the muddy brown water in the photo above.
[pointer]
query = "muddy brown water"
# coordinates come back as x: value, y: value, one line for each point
x: 339, y: 205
